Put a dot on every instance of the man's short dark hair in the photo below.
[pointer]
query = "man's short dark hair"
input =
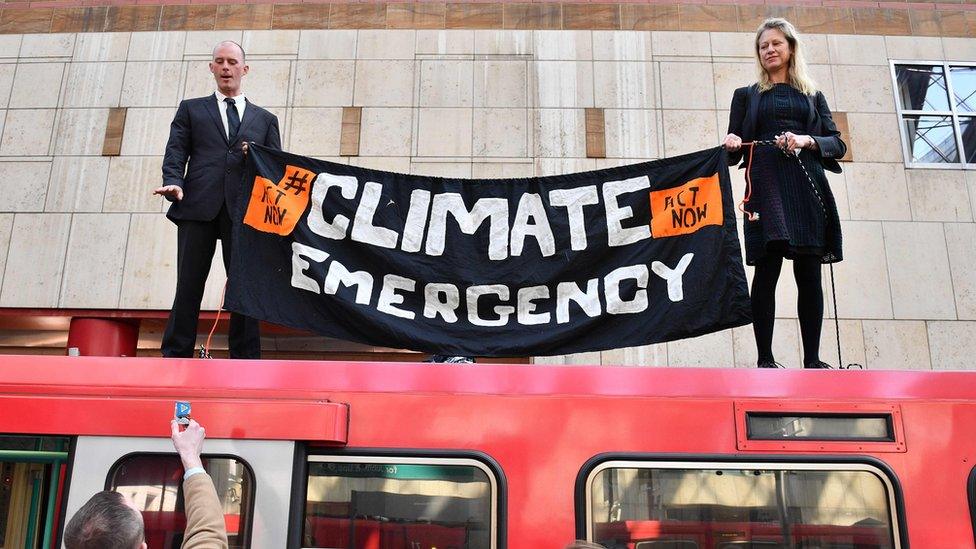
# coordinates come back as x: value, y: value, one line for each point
x: 104, y: 522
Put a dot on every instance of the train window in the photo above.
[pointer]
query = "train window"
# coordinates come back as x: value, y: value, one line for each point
x: 155, y: 483
x: 32, y: 473
x: 400, y: 502
x: 778, y: 426
x: 690, y: 505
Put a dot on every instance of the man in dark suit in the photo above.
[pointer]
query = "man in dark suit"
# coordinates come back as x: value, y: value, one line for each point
x: 202, y: 172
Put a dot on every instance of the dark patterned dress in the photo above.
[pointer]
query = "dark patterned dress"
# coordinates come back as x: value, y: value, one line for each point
x: 792, y: 219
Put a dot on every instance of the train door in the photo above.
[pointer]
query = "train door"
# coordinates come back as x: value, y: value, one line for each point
x: 252, y: 477
x: 32, y: 477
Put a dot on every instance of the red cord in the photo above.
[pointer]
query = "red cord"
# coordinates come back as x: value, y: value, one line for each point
x: 216, y: 320
x: 751, y: 216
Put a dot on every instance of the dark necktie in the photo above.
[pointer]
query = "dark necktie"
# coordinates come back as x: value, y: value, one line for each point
x: 233, y: 119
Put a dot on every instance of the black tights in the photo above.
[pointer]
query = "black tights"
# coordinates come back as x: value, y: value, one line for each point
x: 809, y: 306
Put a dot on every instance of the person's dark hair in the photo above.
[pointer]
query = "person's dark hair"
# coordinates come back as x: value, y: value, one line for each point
x: 104, y: 522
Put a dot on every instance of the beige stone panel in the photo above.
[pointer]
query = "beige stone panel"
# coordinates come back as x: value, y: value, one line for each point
x: 386, y: 44
x: 959, y: 49
x: 631, y: 133
x: 962, y: 257
x: 10, y: 45
x: 918, y: 264
x: 687, y: 86
x: 94, y: 85
x: 151, y: 84
x: 35, y: 261
x: 323, y: 83
x: 146, y: 131
x: 444, y: 132
x: 939, y: 195
x: 621, y: 46
x: 149, y: 275
x: 707, y: 351
x: 77, y: 184
x: 315, y: 132
x: 952, y: 345
x: 270, y: 42
x: 503, y: 42
x: 863, y: 290
x: 23, y: 186
x: 875, y: 137
x: 623, y: 85
x: 838, y: 187
x: 727, y: 78
x: 93, y: 264
x: 386, y: 132
x: 27, y: 132
x: 877, y: 191
x: 863, y: 89
x: 681, y: 43
x: 445, y: 42
x: 101, y: 46
x: 817, y: 50
x: 576, y: 359
x: 199, y: 81
x: 851, y: 341
x: 824, y: 79
x: 562, y: 166
x: 384, y: 83
x: 500, y: 83
x: 786, y: 344
x: 327, y: 44
x: 733, y: 44
x: 36, y: 85
x: 6, y: 227
x: 914, y: 48
x: 201, y: 44
x: 7, y: 71
x: 602, y: 163
x: 131, y: 180
x: 81, y: 132
x: 460, y: 170
x: 557, y: 45
x: 156, y: 46
x: 561, y: 84
x: 896, y: 345
x: 394, y: 164
x: 446, y: 83
x: 655, y: 355
x: 500, y: 133
x: 559, y: 133
x: 848, y: 49
x: 502, y: 170
x: 269, y: 86
x: 47, y: 45
x: 688, y: 131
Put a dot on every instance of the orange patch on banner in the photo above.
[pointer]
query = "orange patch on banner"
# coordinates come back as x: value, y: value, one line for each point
x: 685, y: 209
x: 276, y: 207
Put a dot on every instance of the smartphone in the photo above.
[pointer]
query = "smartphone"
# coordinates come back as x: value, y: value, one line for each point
x: 182, y: 412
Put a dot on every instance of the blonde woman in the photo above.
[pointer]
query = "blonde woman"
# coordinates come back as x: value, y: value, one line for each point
x: 797, y: 217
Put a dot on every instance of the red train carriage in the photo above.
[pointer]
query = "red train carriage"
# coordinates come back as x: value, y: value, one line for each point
x: 388, y: 455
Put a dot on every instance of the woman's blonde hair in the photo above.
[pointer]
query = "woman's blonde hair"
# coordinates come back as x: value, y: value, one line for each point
x: 797, y: 71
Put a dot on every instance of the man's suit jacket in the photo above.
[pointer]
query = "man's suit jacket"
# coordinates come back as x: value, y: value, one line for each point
x: 820, y: 125
x: 200, y: 159
x: 205, y: 526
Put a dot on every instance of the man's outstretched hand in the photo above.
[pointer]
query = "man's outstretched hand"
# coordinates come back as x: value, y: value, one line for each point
x: 171, y: 192
x: 189, y: 443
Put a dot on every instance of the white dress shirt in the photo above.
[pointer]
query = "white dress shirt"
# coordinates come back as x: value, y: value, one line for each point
x: 239, y: 102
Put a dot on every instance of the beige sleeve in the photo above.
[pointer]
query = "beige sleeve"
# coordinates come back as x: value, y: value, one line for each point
x: 205, y: 528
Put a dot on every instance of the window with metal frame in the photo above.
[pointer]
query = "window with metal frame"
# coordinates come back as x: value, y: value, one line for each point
x: 936, y: 103
x: 735, y: 505
x: 155, y: 483
x: 400, y: 502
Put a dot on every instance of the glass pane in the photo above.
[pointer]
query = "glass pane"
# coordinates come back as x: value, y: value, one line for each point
x: 155, y: 483
x: 964, y: 88
x: 397, y: 506
x: 779, y: 427
x: 922, y: 87
x: 967, y: 124
x: 739, y: 508
x: 931, y: 139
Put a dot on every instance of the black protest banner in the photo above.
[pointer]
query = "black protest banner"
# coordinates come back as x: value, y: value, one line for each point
x: 613, y: 258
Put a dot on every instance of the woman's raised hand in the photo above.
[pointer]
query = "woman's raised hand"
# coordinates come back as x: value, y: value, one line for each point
x: 732, y: 142
x: 792, y: 142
